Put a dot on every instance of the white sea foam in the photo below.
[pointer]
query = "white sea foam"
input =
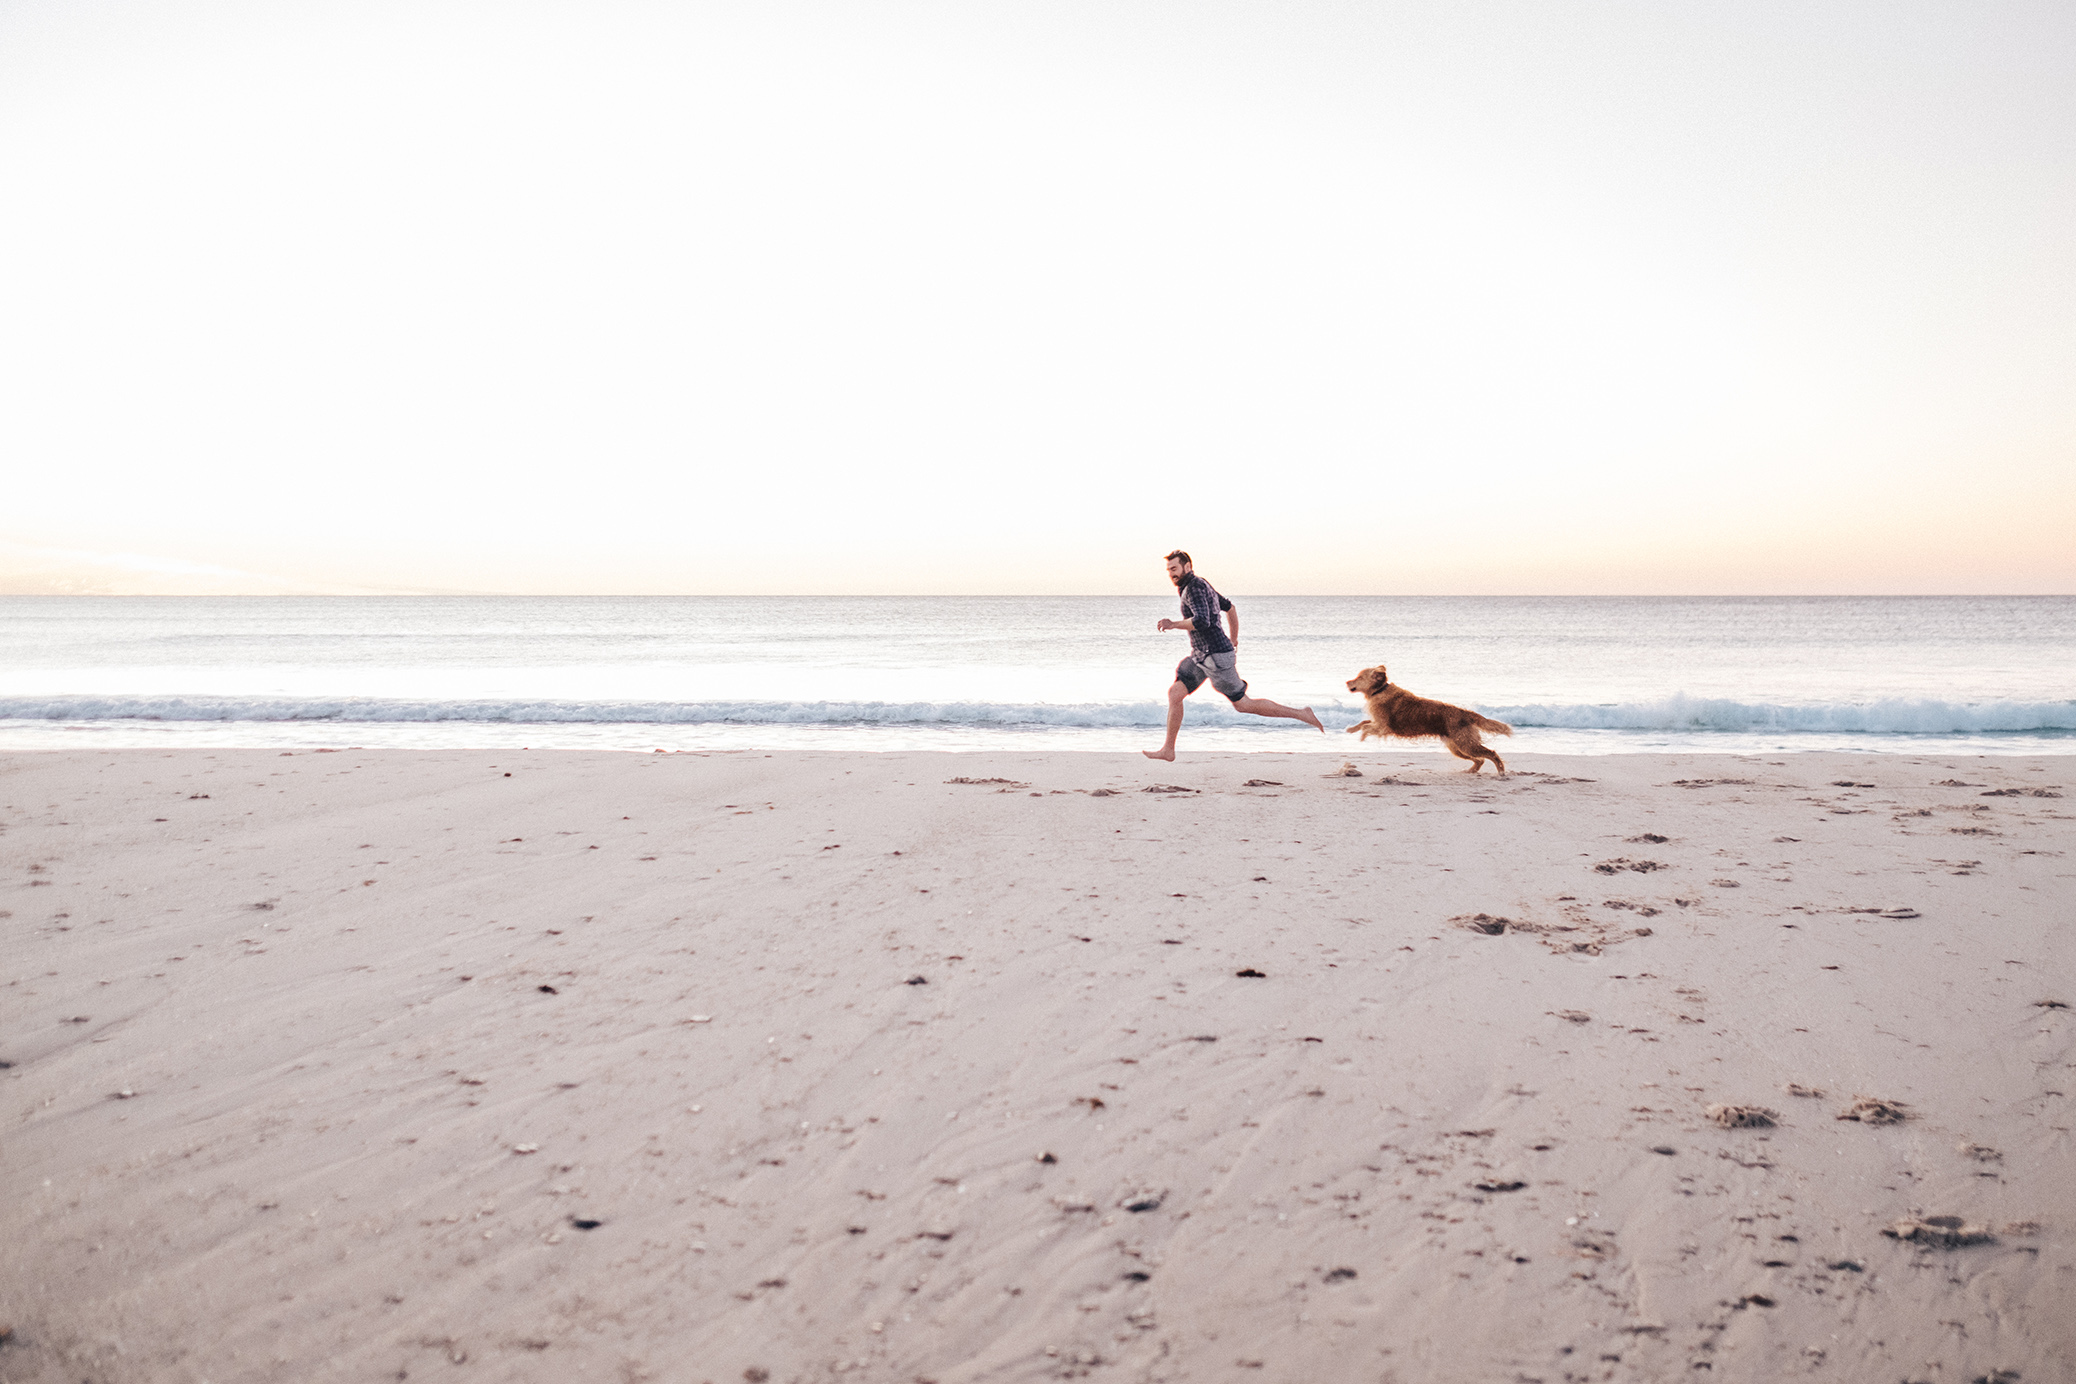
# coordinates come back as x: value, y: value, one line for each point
x: 372, y: 710
x: 1890, y: 716
x: 1677, y: 713
x: 1587, y: 675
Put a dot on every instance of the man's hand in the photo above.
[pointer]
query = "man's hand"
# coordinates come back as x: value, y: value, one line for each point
x: 1166, y: 625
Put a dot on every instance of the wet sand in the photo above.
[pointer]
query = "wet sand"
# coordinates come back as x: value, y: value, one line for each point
x: 741, y: 1067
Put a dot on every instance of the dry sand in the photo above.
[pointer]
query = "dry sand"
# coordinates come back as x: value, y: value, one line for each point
x: 552, y: 1066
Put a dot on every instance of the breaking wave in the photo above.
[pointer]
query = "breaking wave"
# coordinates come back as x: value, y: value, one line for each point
x: 1675, y: 713
x: 1892, y: 716
x: 361, y: 710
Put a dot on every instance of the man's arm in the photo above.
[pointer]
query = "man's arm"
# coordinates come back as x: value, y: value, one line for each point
x: 1189, y: 625
x: 1232, y: 621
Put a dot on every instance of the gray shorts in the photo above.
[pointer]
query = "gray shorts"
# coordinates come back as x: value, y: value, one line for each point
x: 1222, y: 671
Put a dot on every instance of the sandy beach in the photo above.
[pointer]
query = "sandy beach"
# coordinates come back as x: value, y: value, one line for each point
x: 1004, y: 1067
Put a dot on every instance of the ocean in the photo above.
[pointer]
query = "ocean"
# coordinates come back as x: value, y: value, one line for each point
x: 1573, y: 675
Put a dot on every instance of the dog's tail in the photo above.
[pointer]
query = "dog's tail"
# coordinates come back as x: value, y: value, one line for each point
x: 1487, y: 723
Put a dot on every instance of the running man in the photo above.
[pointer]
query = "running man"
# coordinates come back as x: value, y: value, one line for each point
x: 1213, y: 655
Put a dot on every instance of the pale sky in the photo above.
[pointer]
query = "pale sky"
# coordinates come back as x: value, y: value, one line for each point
x: 786, y: 296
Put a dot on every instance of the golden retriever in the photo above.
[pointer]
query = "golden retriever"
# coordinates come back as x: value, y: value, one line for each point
x: 1397, y: 712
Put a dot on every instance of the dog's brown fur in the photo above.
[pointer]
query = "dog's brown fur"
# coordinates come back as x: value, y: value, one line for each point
x: 1397, y: 712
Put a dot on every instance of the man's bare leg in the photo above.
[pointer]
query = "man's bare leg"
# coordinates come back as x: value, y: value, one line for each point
x: 1176, y: 692
x: 1262, y: 706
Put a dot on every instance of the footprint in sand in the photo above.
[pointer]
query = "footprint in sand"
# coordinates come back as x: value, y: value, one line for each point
x: 1875, y: 1111
x: 1743, y: 1116
x: 1942, y: 1232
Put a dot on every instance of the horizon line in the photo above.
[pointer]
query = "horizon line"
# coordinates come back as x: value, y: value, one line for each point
x: 436, y: 594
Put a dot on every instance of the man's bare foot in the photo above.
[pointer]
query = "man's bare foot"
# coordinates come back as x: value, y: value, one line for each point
x: 1168, y: 755
x: 1313, y: 721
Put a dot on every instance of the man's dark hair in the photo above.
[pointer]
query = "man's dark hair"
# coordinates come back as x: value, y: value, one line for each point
x: 1178, y: 553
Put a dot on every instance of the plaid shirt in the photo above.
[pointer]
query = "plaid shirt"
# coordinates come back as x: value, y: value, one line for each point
x: 1201, y: 606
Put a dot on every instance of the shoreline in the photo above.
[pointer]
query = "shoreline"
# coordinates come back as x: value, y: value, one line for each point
x: 798, y: 1031
x: 38, y: 737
